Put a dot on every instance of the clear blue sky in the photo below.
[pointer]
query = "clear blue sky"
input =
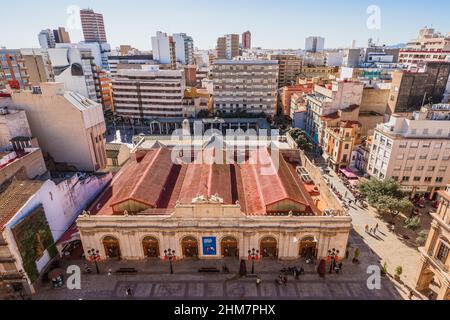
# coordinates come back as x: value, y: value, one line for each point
x: 273, y: 23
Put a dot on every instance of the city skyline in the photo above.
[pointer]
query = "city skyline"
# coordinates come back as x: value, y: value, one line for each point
x: 137, y: 28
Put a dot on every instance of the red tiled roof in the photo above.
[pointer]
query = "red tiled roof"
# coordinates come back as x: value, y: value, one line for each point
x: 158, y: 183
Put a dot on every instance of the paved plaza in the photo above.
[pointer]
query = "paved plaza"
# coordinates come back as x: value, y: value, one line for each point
x: 154, y: 282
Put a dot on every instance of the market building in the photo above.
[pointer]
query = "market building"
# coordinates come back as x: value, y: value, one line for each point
x: 210, y: 210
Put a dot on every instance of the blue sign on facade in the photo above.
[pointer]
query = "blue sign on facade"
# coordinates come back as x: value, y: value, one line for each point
x: 209, y: 246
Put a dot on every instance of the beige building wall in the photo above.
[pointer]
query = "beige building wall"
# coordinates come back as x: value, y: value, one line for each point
x: 375, y: 100
x: 33, y: 165
x: 435, y: 257
x: 213, y: 220
x: 68, y: 130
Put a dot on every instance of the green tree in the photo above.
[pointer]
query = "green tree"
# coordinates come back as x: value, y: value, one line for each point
x: 392, y: 206
x: 422, y: 238
x: 413, y: 223
x: 374, y: 189
x: 300, y: 139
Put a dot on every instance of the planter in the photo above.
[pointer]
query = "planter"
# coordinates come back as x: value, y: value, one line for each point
x: 397, y: 278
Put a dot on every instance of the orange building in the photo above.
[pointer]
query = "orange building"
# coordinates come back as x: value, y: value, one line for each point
x: 106, y: 91
x: 287, y: 93
x: 340, y: 141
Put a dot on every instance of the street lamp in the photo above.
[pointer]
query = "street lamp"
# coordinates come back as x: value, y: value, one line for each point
x: 94, y: 255
x: 333, y: 256
x: 253, y: 255
x: 169, y: 254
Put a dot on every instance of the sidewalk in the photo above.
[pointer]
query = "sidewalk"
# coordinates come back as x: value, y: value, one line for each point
x: 385, y: 243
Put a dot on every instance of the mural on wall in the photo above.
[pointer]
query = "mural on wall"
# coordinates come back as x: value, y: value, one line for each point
x: 33, y: 238
x: 209, y: 246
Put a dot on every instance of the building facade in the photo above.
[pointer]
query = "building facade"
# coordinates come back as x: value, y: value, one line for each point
x: 228, y: 47
x: 249, y: 86
x: 314, y: 44
x: 39, y: 66
x: 46, y: 39
x: 93, y: 26
x: 435, y: 261
x: 247, y: 40
x: 164, y: 49
x: 184, y: 48
x: 149, y: 93
x: 208, y: 211
x: 413, y: 151
x: 410, y: 90
x: 73, y: 133
x: 289, y: 68
x: 13, y: 71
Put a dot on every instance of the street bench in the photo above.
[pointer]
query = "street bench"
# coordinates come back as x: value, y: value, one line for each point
x: 209, y: 270
x: 126, y: 271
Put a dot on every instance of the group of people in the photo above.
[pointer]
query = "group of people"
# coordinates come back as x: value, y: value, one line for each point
x: 372, y: 230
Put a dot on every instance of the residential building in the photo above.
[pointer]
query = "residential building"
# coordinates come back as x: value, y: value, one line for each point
x: 288, y: 91
x: 38, y: 64
x: 353, y: 57
x: 435, y: 262
x: 117, y: 155
x: 61, y: 35
x: 46, y: 39
x: 99, y: 51
x: 103, y: 87
x: 318, y: 72
x: 164, y: 50
x: 13, y: 71
x: 13, y: 123
x: 34, y: 216
x: 326, y: 101
x: 339, y: 142
x: 250, y: 86
x: 412, y: 89
x: 415, y: 151
x: 75, y: 68
x: 128, y: 61
x: 288, y: 70
x: 220, y: 200
x: 184, y: 48
x: 149, y: 93
x: 247, y: 40
x: 70, y: 128
x: 228, y: 47
x: 93, y: 26
x: 428, y: 47
x: 334, y: 58
x: 314, y: 44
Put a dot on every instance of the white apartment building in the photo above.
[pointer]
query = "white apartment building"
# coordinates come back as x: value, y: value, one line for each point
x: 415, y: 152
x: 46, y: 39
x: 184, y: 48
x: 116, y: 62
x: 149, y: 93
x: 314, y: 44
x: 163, y: 47
x: 74, y: 68
x: 325, y: 101
x: 248, y: 85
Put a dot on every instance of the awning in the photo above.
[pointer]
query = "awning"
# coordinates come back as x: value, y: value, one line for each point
x: 348, y: 174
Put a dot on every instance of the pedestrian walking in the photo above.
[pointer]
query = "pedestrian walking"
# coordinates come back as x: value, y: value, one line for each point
x: 411, y: 295
x: 128, y: 292
x: 367, y: 228
x: 376, y: 229
x: 258, y: 281
x: 430, y: 295
x: 371, y: 229
x: 109, y: 273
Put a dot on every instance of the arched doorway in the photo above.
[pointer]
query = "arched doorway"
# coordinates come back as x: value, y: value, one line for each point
x: 151, y: 247
x: 229, y: 246
x: 189, y: 246
x: 112, y: 247
x: 308, y: 248
x: 269, y: 248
